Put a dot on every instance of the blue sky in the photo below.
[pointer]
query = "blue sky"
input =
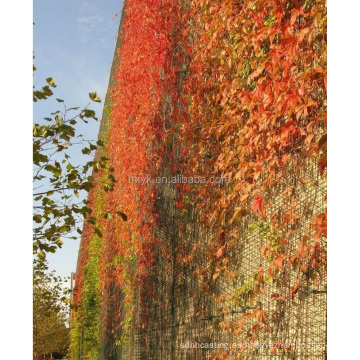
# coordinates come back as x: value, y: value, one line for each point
x: 74, y: 43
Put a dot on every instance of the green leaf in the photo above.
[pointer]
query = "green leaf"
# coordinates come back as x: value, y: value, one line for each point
x: 47, y: 91
x: 56, y: 170
x: 108, y: 215
x: 51, y: 81
x: 123, y: 216
x: 98, y: 231
x: 88, y: 113
x: 39, y: 94
x: 37, y: 218
x: 92, y: 220
x: 59, y: 100
x: 93, y: 96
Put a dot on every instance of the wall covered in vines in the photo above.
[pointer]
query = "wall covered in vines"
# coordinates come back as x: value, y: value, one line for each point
x: 227, y: 88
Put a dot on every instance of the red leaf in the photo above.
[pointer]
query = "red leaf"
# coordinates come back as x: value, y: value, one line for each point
x: 258, y: 205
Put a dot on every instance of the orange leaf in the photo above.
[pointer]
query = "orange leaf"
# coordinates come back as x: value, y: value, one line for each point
x: 301, y: 248
x: 247, y: 315
x: 309, y: 138
x: 295, y: 289
x: 279, y: 262
x: 215, y: 276
x: 220, y: 252
x: 244, y: 197
x: 304, y: 268
x: 322, y: 164
x: 185, y: 31
x: 260, y: 316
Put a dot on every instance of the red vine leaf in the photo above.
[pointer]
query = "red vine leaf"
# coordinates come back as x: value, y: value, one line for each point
x: 258, y: 206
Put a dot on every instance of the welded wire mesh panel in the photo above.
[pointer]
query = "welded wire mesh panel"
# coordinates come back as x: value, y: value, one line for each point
x: 185, y: 311
x: 249, y: 285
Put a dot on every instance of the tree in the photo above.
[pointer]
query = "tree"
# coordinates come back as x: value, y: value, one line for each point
x: 59, y: 184
x: 60, y: 207
x: 50, y: 314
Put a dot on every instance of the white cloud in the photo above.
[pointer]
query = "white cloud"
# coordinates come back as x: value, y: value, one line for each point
x: 90, y: 19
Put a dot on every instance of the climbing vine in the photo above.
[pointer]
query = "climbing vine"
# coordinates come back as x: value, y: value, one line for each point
x: 232, y: 89
x: 256, y: 95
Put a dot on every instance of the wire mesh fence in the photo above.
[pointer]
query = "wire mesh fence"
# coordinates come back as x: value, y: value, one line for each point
x: 190, y: 316
x: 197, y: 306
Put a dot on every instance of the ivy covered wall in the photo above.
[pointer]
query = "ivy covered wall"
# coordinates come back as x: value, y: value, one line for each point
x: 231, y: 89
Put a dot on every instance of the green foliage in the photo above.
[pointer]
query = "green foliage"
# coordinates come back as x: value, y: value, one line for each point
x: 270, y: 235
x: 85, y: 329
x: 123, y: 216
x: 88, y: 315
x: 59, y: 184
x: 50, y: 306
x: 243, y: 291
x: 60, y: 206
x: 93, y: 96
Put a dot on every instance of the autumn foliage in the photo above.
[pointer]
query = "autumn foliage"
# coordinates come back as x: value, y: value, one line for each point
x: 228, y: 88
